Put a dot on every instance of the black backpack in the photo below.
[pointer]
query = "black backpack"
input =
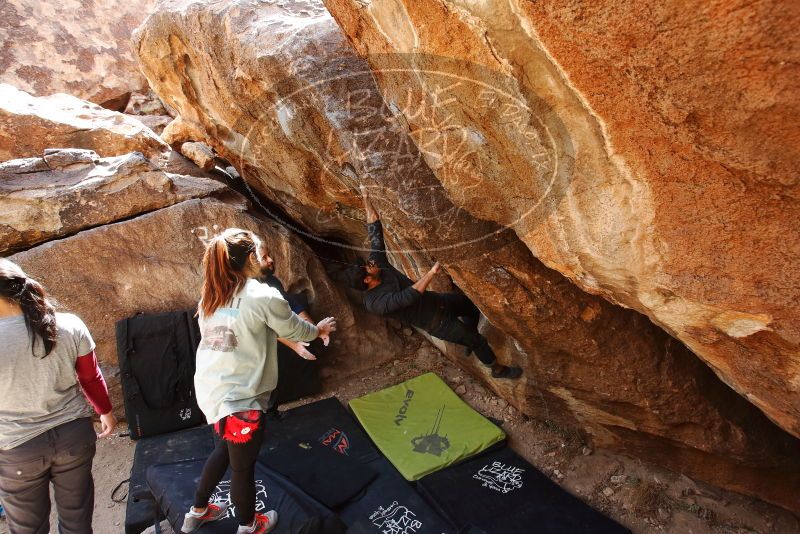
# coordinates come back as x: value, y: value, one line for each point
x: 157, y: 362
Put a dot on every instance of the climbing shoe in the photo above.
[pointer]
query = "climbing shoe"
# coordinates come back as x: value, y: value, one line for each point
x: 507, y: 372
x: 192, y: 521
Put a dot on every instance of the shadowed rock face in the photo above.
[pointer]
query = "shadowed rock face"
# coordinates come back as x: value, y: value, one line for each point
x: 79, y: 48
x: 29, y: 125
x: 67, y: 191
x: 682, y: 199
x: 279, y: 92
x: 152, y: 264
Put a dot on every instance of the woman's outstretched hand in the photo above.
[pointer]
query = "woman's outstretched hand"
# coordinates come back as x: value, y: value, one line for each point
x: 299, y: 347
x: 108, y: 422
x: 326, y: 326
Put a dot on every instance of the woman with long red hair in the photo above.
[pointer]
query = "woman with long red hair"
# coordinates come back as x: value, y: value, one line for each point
x: 240, y: 320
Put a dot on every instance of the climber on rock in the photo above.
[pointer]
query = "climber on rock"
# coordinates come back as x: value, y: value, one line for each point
x: 389, y: 293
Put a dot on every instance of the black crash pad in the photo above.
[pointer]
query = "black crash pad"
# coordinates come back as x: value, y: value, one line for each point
x: 183, y: 445
x: 390, y: 504
x: 157, y: 363
x: 326, y: 422
x: 329, y: 477
x: 174, y: 484
x: 500, y: 492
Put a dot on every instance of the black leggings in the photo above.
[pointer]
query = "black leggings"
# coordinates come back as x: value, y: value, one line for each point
x: 242, y: 459
x: 460, y: 325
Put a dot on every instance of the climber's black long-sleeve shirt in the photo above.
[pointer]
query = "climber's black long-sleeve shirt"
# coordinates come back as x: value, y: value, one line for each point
x: 298, y: 303
x: 395, y: 297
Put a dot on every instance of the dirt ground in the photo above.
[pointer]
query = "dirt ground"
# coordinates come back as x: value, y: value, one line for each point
x: 644, y: 497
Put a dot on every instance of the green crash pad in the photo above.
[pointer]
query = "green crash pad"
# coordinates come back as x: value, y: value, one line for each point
x: 421, y: 426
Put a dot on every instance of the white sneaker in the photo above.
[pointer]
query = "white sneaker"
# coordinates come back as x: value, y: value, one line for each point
x: 262, y: 524
x: 192, y: 521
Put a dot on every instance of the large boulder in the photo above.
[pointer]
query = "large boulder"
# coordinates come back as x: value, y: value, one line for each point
x: 647, y: 151
x: 149, y: 109
x: 29, y: 125
x: 70, y: 190
x: 277, y: 90
x: 79, y: 48
x: 152, y: 263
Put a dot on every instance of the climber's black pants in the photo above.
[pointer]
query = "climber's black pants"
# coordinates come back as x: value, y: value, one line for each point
x: 459, y: 324
x: 242, y: 459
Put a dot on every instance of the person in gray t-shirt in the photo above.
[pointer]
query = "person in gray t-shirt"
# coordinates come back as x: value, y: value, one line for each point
x: 46, y: 432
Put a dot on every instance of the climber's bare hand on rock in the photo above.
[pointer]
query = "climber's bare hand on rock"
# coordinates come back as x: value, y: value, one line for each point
x: 372, y: 215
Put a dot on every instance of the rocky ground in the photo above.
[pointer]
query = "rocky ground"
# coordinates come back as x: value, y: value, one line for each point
x: 642, y: 496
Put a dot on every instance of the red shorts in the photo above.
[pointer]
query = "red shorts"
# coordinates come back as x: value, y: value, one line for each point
x: 239, y: 427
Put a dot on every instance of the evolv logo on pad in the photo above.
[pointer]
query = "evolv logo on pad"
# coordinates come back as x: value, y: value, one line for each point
x: 432, y: 442
x: 401, y: 413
